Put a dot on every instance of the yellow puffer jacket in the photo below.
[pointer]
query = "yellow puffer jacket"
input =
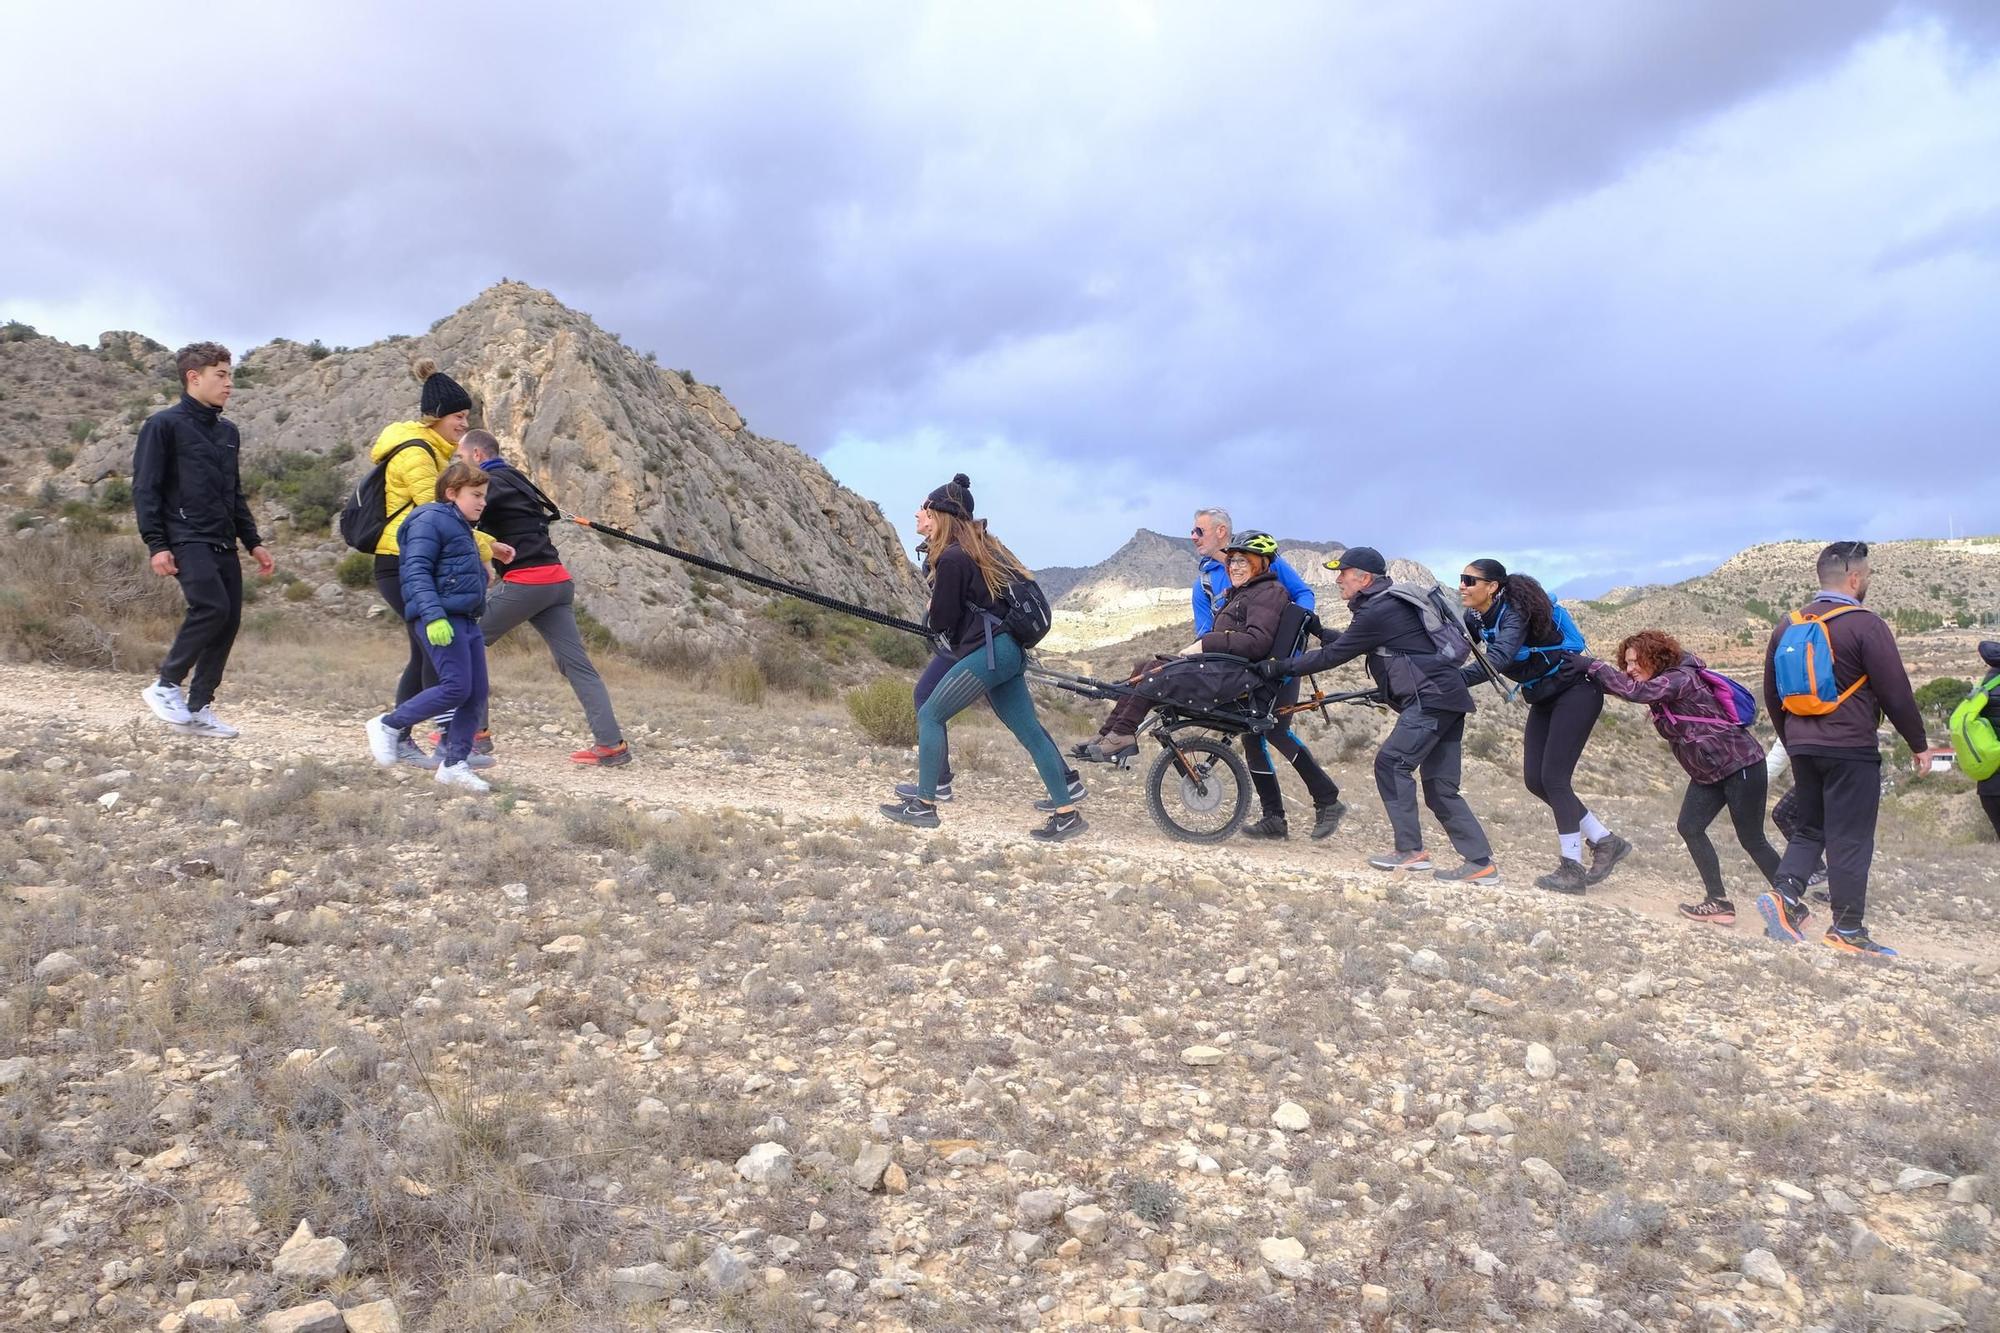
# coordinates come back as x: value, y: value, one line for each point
x: 412, y: 479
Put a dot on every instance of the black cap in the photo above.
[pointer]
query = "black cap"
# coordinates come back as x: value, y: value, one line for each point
x: 1364, y: 558
x: 954, y: 497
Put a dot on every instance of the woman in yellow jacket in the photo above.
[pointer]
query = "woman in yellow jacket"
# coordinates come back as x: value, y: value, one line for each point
x: 416, y: 453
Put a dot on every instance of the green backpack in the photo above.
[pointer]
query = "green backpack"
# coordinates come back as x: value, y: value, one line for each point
x: 1972, y: 734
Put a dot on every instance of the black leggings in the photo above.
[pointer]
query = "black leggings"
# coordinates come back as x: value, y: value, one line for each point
x: 1264, y: 777
x: 1558, y: 729
x: 1991, y: 804
x: 1743, y: 792
x: 419, y: 672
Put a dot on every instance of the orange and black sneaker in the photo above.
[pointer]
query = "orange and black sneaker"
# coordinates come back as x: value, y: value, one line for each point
x: 603, y: 756
x: 1855, y: 939
x: 1784, y: 916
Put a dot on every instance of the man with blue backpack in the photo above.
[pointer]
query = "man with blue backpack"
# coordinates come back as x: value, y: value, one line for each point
x: 1831, y: 672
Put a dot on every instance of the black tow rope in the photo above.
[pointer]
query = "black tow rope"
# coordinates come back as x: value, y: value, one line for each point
x: 775, y: 585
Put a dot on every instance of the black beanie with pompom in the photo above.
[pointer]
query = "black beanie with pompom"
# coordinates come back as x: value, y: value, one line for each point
x: 954, y: 497
x: 443, y: 395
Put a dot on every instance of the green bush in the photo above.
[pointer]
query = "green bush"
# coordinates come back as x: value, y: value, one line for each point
x: 298, y: 592
x: 316, y: 351
x: 59, y: 456
x: 885, y: 712
x: 596, y: 634
x: 313, y: 486
x: 115, y: 494
x: 355, y: 570
x: 1943, y: 694
x: 897, y: 648
x: 79, y: 431
x: 14, y: 331
x: 83, y: 518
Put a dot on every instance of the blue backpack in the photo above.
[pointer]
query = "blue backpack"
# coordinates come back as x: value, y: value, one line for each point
x: 1569, y: 640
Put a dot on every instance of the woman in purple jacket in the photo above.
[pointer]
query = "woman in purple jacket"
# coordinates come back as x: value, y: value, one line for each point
x: 1724, y: 762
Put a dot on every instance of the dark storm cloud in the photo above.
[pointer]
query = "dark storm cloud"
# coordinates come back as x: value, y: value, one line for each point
x: 1425, y: 275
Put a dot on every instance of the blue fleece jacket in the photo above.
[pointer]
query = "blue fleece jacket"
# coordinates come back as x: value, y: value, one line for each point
x: 1211, y: 582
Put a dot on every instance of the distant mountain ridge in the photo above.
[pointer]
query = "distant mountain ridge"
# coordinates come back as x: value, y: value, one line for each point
x: 1152, y: 559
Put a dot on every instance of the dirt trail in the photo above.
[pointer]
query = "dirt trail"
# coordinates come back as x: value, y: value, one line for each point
x: 991, y: 809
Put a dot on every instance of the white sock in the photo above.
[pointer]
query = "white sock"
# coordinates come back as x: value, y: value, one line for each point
x: 1593, y: 828
x: 1572, y: 844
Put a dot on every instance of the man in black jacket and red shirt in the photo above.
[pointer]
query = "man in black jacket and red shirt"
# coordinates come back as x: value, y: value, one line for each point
x: 535, y: 588
x: 1836, y: 763
x: 1431, y: 703
x: 187, y: 492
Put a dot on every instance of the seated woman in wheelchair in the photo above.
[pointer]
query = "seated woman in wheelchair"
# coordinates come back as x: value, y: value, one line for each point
x: 1245, y: 626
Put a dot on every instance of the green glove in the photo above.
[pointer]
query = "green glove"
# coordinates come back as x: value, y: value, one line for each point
x: 439, y: 633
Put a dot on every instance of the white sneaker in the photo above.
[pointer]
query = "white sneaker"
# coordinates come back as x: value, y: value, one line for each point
x: 461, y: 775
x: 167, y: 702
x: 382, y: 741
x: 204, y: 722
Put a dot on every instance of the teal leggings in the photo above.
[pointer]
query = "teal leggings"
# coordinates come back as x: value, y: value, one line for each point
x: 961, y: 688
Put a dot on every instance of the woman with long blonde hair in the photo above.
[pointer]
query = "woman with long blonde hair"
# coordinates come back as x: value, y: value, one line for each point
x: 970, y: 571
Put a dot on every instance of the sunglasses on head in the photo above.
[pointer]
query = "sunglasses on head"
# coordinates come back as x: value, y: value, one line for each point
x: 1850, y: 550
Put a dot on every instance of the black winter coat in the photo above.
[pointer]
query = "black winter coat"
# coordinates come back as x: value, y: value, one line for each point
x: 518, y: 514
x: 1401, y: 658
x: 186, y: 484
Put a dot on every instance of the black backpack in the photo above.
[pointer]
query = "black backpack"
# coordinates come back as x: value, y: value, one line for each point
x: 1023, y: 611
x: 365, y: 517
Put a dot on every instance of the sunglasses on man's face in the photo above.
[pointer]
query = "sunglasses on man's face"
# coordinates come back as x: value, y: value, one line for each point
x: 1197, y: 532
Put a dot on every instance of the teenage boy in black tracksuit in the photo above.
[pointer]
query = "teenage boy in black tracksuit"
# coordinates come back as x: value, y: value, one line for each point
x: 187, y: 492
x: 1431, y: 703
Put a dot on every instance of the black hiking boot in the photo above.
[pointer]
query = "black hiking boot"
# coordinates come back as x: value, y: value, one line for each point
x: 915, y: 813
x: 1605, y: 854
x: 1060, y: 828
x: 1326, y: 819
x: 1568, y: 877
x: 1270, y: 826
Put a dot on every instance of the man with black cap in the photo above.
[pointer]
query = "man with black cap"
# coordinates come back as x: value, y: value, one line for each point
x: 1431, y: 702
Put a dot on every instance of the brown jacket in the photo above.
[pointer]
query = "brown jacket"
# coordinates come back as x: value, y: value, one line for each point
x: 1862, y: 645
x: 1248, y: 620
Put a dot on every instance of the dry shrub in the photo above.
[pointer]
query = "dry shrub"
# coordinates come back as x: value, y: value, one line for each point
x: 885, y: 712
x: 744, y: 679
x: 79, y: 600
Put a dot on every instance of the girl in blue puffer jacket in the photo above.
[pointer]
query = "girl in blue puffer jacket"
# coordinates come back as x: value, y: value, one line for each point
x: 444, y: 590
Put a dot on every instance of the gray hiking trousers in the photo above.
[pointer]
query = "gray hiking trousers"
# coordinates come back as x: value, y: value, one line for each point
x: 1430, y: 745
x: 549, y: 607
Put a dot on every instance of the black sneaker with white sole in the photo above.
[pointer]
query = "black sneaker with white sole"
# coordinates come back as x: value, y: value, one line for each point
x: 1060, y: 828
x: 915, y: 813
x: 909, y: 791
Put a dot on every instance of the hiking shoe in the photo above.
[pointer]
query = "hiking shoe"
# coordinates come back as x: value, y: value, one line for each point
x: 1714, y: 911
x: 1401, y: 861
x: 1326, y: 818
x: 1857, y: 940
x: 912, y: 811
x: 1110, y: 750
x: 476, y: 761
x: 1045, y: 806
x: 597, y: 756
x: 482, y: 742
x: 1605, y: 854
x: 461, y: 776
x: 409, y: 752
x: 1568, y: 877
x: 1472, y: 872
x: 1060, y: 828
x: 203, y: 722
x: 910, y: 792
x: 1816, y: 888
x: 1270, y: 826
x: 384, y: 744
x: 167, y: 702
x: 1784, y: 915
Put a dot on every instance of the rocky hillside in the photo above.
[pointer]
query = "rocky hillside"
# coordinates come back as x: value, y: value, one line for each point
x: 605, y: 431
x: 1919, y: 585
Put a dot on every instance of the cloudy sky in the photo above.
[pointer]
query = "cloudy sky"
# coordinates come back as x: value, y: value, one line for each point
x: 1608, y: 288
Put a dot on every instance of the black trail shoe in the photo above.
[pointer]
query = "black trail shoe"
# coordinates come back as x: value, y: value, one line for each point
x: 915, y: 813
x: 1060, y: 828
x: 1270, y: 826
x: 1567, y: 877
x: 1326, y: 819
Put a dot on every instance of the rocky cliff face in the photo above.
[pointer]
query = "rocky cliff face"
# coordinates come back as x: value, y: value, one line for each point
x: 607, y: 433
